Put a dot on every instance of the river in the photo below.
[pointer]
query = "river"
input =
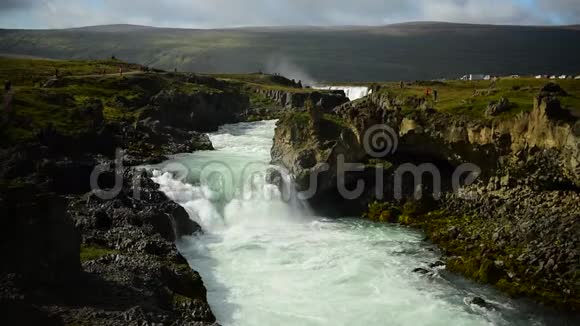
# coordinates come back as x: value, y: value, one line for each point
x: 269, y: 261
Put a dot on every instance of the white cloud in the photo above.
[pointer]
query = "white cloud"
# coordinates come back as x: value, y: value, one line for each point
x: 476, y: 11
x: 229, y: 13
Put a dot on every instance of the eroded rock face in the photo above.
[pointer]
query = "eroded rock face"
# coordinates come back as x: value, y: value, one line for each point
x: 517, y: 228
x: 126, y: 270
x: 137, y: 230
x: 297, y: 99
x: 519, y: 239
x: 313, y: 150
x: 545, y: 140
x: 200, y: 111
x: 74, y: 258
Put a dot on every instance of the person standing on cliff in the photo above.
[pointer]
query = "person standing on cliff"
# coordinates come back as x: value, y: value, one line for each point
x: 435, y: 95
x: 7, y: 106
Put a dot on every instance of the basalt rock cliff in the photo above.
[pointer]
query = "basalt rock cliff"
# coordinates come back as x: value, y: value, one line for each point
x: 76, y: 256
x: 516, y: 226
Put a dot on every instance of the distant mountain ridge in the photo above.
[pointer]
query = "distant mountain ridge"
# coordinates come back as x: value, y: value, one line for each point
x: 406, y: 51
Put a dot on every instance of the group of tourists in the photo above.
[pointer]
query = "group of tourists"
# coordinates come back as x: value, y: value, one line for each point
x: 432, y: 93
x: 428, y: 92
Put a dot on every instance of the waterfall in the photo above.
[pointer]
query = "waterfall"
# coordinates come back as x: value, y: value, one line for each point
x: 265, y: 260
x: 227, y: 187
x: 352, y: 92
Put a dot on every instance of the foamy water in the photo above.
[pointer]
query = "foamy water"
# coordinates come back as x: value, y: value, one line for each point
x: 268, y: 261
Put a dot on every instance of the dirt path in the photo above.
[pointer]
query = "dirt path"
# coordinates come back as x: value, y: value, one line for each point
x: 128, y: 73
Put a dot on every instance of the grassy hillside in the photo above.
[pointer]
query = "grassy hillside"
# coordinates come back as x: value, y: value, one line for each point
x: 29, y: 71
x: 471, y: 98
x: 80, y: 82
x: 62, y: 102
x: 420, y: 51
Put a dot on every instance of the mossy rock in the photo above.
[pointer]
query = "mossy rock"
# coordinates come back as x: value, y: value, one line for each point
x: 93, y: 252
x: 382, y: 212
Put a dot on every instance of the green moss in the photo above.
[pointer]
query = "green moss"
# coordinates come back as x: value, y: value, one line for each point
x: 473, y: 255
x: 258, y: 100
x: 376, y: 163
x: 180, y: 301
x: 297, y: 118
x: 475, y: 259
x: 382, y: 212
x: 191, y: 89
x: 480, y: 270
x: 336, y: 120
x: 260, y: 79
x: 92, y: 252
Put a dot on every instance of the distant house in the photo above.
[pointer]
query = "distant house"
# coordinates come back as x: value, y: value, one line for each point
x: 552, y: 77
x: 539, y: 77
x: 474, y: 77
x: 577, y: 77
x: 487, y: 77
x: 514, y: 76
x: 562, y: 77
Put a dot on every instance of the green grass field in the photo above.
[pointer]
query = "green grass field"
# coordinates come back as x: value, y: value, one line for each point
x: 471, y: 98
x: 29, y: 72
x: 37, y: 107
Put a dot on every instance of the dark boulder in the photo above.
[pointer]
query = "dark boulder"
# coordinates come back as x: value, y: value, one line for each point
x: 39, y: 240
x: 552, y: 89
x: 200, y: 111
x: 498, y: 107
x: 421, y: 271
x: 480, y: 302
x: 91, y: 110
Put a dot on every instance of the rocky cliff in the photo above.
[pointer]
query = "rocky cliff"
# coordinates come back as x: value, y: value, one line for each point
x: 72, y: 256
x: 516, y: 227
x: 423, y: 136
x: 297, y: 98
x: 201, y: 111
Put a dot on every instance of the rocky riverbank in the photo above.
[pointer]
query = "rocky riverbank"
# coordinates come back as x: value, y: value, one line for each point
x: 517, y: 227
x: 74, y: 255
x: 73, y: 258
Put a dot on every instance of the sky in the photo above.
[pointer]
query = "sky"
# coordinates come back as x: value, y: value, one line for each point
x: 42, y: 14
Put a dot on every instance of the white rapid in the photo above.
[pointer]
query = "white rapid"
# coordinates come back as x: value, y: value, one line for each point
x: 352, y: 92
x: 266, y: 261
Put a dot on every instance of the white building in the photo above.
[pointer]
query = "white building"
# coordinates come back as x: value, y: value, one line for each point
x: 577, y: 77
x: 562, y: 77
x: 477, y: 77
